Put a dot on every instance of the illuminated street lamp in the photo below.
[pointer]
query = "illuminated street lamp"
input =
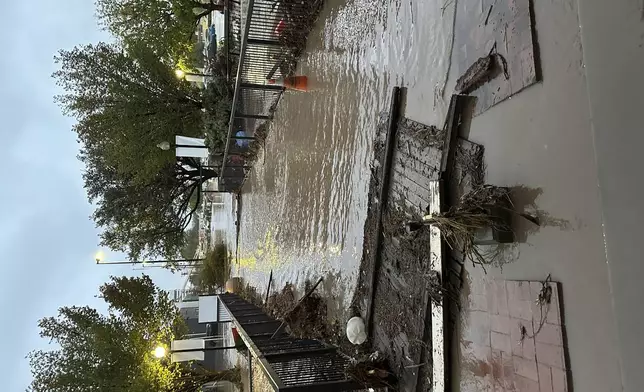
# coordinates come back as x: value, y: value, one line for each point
x: 160, y: 352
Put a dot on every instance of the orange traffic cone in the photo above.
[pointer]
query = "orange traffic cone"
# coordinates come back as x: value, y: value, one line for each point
x: 299, y: 83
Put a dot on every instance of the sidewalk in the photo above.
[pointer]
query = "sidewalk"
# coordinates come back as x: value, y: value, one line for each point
x: 542, y: 138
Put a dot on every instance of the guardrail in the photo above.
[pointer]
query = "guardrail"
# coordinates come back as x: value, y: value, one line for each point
x: 290, y: 364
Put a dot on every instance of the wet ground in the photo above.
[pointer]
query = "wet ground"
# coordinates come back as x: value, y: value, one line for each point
x: 395, y: 285
x: 305, y: 203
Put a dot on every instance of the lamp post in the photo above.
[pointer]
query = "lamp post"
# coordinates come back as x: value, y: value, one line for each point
x: 161, y: 352
x: 165, y: 146
x: 99, y: 260
x: 182, y: 74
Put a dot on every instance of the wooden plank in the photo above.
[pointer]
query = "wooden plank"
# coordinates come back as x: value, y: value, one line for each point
x: 421, y: 140
x: 438, y: 247
x: 425, y: 155
x: 413, y: 188
x: 394, y: 279
x: 437, y: 310
x: 390, y: 142
x: 418, y: 210
x: 410, y: 176
x: 451, y: 127
x: 410, y: 163
x: 411, y: 199
x: 408, y: 168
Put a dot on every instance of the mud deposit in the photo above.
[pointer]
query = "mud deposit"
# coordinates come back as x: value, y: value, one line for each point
x: 309, y: 320
x: 399, y: 303
x: 401, y: 297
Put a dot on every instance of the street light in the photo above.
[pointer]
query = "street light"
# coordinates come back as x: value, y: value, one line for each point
x: 165, y: 145
x: 100, y: 256
x: 160, y: 352
x: 101, y: 262
x: 182, y: 74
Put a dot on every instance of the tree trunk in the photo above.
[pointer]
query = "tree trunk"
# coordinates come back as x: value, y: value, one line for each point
x: 216, y: 7
x: 207, y: 174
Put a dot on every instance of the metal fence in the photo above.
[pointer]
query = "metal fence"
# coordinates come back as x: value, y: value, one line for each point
x: 264, y: 38
x: 290, y: 364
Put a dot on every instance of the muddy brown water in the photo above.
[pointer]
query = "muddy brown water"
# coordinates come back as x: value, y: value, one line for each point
x: 305, y: 202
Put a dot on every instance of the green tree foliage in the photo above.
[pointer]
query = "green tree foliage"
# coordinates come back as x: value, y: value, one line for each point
x: 219, y: 96
x: 192, y: 240
x: 126, y: 103
x: 167, y: 26
x: 215, y: 270
x: 196, y: 58
x: 146, y: 220
x: 113, y: 351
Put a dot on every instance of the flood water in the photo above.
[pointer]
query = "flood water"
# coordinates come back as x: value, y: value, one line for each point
x: 305, y: 202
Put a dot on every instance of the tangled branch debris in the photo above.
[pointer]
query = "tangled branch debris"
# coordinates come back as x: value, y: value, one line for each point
x: 470, y: 162
x: 477, y: 211
x: 543, y: 301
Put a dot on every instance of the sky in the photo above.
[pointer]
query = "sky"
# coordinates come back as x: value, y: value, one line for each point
x: 47, y: 241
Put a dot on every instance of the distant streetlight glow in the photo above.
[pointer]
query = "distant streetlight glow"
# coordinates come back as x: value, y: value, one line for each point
x: 180, y: 74
x: 159, y: 352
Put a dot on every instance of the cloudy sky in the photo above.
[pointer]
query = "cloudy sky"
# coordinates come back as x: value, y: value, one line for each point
x: 47, y: 242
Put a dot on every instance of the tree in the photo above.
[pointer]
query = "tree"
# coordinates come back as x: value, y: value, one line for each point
x: 167, y: 26
x: 213, y: 273
x: 219, y: 96
x: 146, y: 220
x: 192, y: 240
x: 126, y: 103
x: 113, y: 351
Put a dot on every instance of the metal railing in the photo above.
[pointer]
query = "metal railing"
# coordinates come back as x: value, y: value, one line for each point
x: 265, y: 37
x: 289, y: 363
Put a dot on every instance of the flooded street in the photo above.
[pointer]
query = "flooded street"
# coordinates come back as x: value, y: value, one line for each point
x: 547, y: 123
x: 304, y: 205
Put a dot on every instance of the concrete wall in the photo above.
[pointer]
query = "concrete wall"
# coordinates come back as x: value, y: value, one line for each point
x: 613, y: 40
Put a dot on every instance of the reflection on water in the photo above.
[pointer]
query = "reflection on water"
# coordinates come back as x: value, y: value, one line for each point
x: 304, y: 213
